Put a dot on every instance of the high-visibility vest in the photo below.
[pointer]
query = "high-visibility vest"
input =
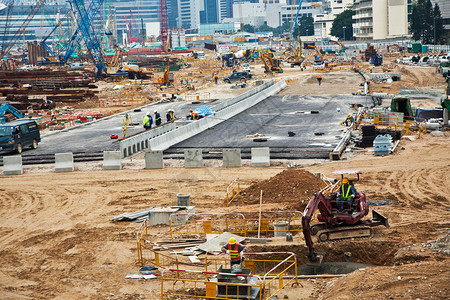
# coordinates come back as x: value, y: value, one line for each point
x: 157, y: 117
x: 234, y: 253
x: 146, y: 120
x: 194, y: 116
x: 344, y: 194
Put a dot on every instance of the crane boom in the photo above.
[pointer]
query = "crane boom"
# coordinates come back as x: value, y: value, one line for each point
x: 74, y: 41
x: 5, y: 107
x: 296, y: 17
x: 88, y: 33
x: 22, y: 27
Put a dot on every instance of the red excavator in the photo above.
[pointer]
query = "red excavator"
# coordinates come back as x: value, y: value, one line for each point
x: 338, y: 224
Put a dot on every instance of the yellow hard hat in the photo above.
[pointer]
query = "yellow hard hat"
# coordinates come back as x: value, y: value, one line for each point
x: 232, y: 241
x: 345, y: 180
x: 349, y: 115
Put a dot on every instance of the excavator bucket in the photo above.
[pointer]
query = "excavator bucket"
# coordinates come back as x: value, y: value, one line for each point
x: 316, y: 260
x: 379, y: 218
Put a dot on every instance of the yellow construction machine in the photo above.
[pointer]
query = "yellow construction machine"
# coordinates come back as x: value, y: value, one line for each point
x: 271, y: 64
x: 296, y: 59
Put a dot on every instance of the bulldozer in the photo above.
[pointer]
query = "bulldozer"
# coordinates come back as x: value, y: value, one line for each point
x: 335, y: 224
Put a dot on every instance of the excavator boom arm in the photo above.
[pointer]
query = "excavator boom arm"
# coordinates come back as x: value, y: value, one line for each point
x: 317, y: 202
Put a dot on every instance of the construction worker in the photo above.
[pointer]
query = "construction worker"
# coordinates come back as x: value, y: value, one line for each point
x: 319, y: 79
x: 216, y: 78
x: 235, y: 250
x: 189, y: 117
x: 170, y: 116
x: 157, y: 118
x: 346, y: 194
x: 194, y: 116
x: 148, y: 121
x: 349, y: 120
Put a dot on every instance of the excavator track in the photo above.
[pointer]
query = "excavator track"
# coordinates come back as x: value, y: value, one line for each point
x: 344, y: 233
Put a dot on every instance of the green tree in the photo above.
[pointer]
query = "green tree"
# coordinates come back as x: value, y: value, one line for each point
x: 343, y: 24
x: 439, y: 30
x: 427, y: 23
x: 305, y: 27
x: 249, y: 28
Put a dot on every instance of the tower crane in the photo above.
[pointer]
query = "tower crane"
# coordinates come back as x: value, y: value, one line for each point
x: 75, y: 40
x: 85, y: 25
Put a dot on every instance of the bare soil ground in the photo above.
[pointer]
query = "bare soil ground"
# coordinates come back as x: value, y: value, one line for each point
x: 57, y: 240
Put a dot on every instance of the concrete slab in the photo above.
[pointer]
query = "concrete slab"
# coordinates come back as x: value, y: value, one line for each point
x: 231, y: 158
x: 154, y: 159
x: 163, y: 215
x: 12, y: 165
x: 275, y: 117
x: 193, y: 158
x: 215, y: 244
x: 261, y: 157
x: 64, y: 162
x: 111, y: 160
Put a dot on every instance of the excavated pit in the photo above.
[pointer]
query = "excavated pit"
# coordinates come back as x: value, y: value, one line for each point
x: 340, y: 257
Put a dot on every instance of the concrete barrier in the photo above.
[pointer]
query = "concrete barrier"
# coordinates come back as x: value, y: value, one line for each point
x: 154, y: 159
x: 165, y: 141
x: 64, y: 162
x: 261, y: 157
x: 12, y: 165
x: 241, y: 97
x: 112, y: 160
x: 231, y: 158
x: 139, y: 142
x: 193, y: 158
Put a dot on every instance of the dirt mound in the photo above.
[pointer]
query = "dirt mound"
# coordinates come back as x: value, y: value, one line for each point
x: 292, y: 187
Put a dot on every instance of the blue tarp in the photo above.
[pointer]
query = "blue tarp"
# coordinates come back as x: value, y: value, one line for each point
x: 204, y: 111
x: 429, y: 113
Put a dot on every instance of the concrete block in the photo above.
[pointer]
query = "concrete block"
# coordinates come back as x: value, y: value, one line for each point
x: 162, y: 215
x: 12, y: 165
x: 111, y: 160
x: 154, y: 159
x: 261, y: 157
x: 231, y: 158
x: 193, y: 158
x: 64, y: 162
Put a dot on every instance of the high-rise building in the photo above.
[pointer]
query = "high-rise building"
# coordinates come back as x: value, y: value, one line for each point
x: 324, y: 21
x: 225, y: 9
x: 189, y: 13
x: 210, y: 12
x: 380, y: 19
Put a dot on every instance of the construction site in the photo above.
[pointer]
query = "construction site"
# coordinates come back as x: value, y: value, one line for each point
x: 325, y: 165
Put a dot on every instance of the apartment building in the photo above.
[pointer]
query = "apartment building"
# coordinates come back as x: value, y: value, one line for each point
x: 324, y: 21
x: 380, y: 19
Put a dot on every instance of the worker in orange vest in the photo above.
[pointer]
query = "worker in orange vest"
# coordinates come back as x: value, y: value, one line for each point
x: 319, y: 79
x: 235, y: 250
x: 216, y: 78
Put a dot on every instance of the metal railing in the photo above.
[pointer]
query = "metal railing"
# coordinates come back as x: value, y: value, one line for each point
x: 267, y: 278
x: 245, y: 227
